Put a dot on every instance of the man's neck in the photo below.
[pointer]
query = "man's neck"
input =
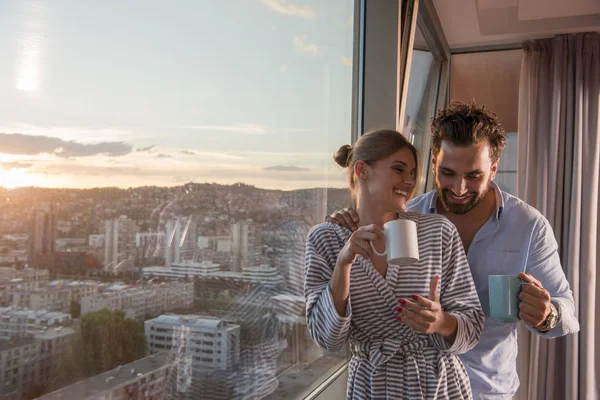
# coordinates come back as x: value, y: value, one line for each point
x: 470, y: 223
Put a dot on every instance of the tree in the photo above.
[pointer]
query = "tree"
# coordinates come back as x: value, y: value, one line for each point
x: 104, y: 340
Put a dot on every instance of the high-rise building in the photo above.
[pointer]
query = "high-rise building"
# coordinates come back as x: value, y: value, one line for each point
x: 43, y: 235
x: 173, y: 243
x: 119, y: 243
x: 239, y: 245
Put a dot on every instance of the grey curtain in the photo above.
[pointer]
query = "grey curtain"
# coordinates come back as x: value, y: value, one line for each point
x: 559, y: 153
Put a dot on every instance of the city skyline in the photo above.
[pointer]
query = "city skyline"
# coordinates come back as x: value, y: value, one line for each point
x: 227, y: 92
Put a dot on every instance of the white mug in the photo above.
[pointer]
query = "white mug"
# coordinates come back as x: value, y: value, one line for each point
x: 401, y: 244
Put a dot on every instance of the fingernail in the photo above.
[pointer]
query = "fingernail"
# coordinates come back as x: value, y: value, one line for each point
x: 355, y: 219
x: 437, y: 277
x: 415, y: 297
x: 399, y: 309
x: 403, y: 302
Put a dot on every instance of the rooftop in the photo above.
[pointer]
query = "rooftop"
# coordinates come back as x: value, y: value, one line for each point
x: 109, y: 380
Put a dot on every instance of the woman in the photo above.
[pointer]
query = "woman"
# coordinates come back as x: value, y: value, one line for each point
x: 405, y: 324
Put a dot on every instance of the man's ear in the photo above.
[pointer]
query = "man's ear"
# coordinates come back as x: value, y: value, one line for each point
x: 494, y: 169
x: 433, y: 162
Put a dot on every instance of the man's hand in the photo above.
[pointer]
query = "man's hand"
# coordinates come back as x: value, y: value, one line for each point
x: 347, y: 217
x: 535, y: 301
x: 426, y: 315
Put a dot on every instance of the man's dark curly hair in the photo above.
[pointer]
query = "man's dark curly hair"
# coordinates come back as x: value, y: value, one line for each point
x: 465, y: 124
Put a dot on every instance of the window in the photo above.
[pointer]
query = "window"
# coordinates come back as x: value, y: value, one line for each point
x: 191, y: 143
x: 492, y: 79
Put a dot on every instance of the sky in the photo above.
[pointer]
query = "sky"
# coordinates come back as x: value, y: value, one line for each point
x: 149, y: 92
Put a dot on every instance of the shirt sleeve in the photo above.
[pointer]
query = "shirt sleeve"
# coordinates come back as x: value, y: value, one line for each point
x: 543, y: 263
x: 458, y: 296
x: 327, y: 328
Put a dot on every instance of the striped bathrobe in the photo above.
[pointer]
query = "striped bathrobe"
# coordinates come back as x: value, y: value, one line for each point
x: 389, y: 359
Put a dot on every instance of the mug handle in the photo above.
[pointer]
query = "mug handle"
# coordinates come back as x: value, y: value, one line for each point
x: 378, y: 253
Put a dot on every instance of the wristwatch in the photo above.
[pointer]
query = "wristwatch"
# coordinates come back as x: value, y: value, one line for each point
x: 550, y: 321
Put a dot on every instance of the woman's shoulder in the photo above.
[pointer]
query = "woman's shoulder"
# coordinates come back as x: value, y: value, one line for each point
x: 426, y: 219
x: 328, y: 233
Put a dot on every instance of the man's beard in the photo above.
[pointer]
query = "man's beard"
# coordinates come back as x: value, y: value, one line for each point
x: 443, y: 195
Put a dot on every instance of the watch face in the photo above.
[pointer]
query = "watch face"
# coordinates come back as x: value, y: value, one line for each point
x: 553, y: 319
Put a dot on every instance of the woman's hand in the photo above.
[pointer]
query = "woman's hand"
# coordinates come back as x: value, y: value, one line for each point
x: 426, y: 315
x: 360, y: 244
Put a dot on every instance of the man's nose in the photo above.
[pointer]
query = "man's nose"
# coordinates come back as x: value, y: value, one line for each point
x: 460, y: 187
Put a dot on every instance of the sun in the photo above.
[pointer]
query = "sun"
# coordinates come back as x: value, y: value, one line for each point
x: 12, y: 178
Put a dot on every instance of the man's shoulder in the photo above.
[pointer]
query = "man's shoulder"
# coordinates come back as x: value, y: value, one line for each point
x: 518, y: 211
x: 421, y: 204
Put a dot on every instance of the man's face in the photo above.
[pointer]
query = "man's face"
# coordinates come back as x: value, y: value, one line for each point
x: 462, y: 175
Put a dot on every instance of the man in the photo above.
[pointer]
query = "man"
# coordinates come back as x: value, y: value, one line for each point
x: 501, y: 235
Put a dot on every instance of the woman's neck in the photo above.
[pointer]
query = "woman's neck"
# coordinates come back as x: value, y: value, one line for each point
x: 370, y: 214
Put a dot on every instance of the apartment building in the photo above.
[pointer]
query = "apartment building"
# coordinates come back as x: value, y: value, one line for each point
x: 53, y: 297
x: 21, y: 323
x: 140, y: 302
x: 145, y: 378
x: 27, y: 363
x: 208, y: 342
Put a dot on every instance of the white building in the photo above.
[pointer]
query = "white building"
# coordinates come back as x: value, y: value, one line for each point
x: 13, y: 280
x: 96, y: 241
x: 173, y: 242
x: 39, y: 276
x: 20, y: 323
x: 185, y: 269
x: 119, y: 242
x: 139, y: 302
x: 207, y: 342
x: 216, y: 243
x: 57, y: 296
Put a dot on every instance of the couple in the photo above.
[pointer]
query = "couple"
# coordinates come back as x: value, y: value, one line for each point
x: 407, y: 324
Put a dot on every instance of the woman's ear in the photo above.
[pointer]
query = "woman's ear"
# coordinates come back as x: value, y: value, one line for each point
x: 360, y: 169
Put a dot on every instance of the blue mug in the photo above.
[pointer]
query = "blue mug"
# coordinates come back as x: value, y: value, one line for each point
x: 504, y: 297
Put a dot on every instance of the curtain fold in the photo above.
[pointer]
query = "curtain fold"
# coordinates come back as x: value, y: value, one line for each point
x: 559, y: 174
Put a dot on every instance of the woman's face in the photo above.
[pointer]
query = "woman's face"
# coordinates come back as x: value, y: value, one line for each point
x: 389, y: 181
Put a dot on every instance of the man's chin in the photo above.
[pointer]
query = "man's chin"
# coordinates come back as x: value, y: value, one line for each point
x: 455, y: 208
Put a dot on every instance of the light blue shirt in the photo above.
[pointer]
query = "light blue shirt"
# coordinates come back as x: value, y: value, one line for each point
x: 516, y: 232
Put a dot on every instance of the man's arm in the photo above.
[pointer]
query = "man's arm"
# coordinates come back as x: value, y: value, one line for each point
x: 546, y: 270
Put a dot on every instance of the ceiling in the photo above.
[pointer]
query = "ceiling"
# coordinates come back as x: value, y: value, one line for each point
x: 475, y: 23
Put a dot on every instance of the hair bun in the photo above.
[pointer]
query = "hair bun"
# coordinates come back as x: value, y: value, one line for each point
x: 342, y: 156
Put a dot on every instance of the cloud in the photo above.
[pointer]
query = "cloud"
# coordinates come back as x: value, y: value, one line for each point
x: 18, y: 143
x: 145, y: 149
x: 285, y: 168
x: 248, y: 129
x: 346, y: 60
x: 187, y: 152
x: 14, y: 165
x: 283, y: 68
x: 305, y: 48
x: 283, y: 7
x: 182, y: 179
x: 164, y: 156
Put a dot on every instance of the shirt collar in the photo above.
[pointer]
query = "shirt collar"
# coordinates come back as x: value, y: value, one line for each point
x: 493, y: 186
